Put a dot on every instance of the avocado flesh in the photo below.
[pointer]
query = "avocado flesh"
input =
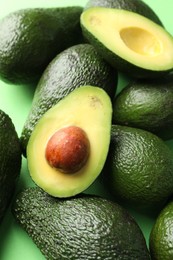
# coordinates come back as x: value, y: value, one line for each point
x: 82, y: 227
x: 147, y: 105
x: 90, y: 109
x: 130, y: 42
x: 136, y: 6
x: 10, y: 161
x: 74, y: 67
x: 31, y: 38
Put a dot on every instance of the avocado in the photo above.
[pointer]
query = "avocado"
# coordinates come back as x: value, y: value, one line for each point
x: 131, y: 43
x: 69, y: 144
x: 136, y: 6
x: 10, y: 161
x: 139, y: 168
x: 82, y: 227
x: 76, y: 66
x: 30, y: 38
x: 146, y: 104
x: 160, y: 239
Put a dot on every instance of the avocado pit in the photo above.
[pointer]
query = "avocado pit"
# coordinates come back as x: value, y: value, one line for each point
x: 68, y: 149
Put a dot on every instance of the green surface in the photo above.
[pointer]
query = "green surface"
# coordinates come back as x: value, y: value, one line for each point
x: 97, y: 227
x: 16, y: 101
x: 34, y: 34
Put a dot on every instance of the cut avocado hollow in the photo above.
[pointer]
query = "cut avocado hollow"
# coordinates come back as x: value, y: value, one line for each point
x: 130, y: 42
x: 88, y: 108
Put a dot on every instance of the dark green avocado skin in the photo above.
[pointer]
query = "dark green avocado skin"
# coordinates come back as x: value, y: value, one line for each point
x: 76, y: 66
x: 137, y: 6
x: 31, y: 38
x: 82, y: 227
x: 148, y: 105
x: 133, y: 150
x: 10, y: 161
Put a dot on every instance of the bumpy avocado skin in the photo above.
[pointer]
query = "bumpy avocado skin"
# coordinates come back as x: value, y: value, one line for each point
x: 31, y: 38
x: 139, y: 168
x: 148, y: 105
x: 10, y: 161
x: 76, y: 66
x: 137, y: 6
x: 82, y: 227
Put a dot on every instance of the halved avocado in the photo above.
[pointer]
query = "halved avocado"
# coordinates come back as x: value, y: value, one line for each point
x: 130, y: 42
x: 80, y: 127
x: 137, y: 6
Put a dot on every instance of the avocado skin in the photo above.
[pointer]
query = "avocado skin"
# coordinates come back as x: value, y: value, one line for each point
x: 137, y: 6
x: 76, y: 66
x: 147, y: 105
x: 10, y: 161
x: 133, y: 151
x: 31, y: 38
x: 160, y: 239
x: 82, y: 227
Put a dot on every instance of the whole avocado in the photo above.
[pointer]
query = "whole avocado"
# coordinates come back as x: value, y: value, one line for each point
x: 30, y: 38
x: 78, y: 65
x: 139, y: 168
x: 148, y: 105
x: 10, y: 161
x: 160, y: 239
x: 82, y: 227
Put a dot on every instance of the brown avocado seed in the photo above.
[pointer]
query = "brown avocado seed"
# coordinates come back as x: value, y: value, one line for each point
x: 68, y: 149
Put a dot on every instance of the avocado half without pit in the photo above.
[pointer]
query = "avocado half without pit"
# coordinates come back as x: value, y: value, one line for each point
x: 130, y: 42
x: 68, y: 147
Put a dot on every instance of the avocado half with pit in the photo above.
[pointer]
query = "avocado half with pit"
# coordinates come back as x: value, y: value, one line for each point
x: 68, y: 147
x: 130, y: 42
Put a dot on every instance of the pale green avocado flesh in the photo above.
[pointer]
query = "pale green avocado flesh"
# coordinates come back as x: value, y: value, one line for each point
x: 88, y: 108
x: 127, y: 40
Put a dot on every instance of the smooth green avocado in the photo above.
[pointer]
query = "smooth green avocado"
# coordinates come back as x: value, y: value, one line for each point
x: 10, y: 161
x: 148, y: 105
x: 76, y: 66
x: 160, y: 239
x: 131, y: 43
x: 139, y: 168
x: 69, y: 144
x: 82, y: 227
x: 136, y: 6
x: 30, y: 38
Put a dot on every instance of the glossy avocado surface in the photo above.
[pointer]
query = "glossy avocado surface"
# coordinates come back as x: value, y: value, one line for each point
x: 82, y: 227
x: 16, y: 100
x: 10, y: 162
x: 31, y: 37
x: 147, y: 105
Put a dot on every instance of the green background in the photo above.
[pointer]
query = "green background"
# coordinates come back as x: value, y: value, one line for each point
x: 15, y: 244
